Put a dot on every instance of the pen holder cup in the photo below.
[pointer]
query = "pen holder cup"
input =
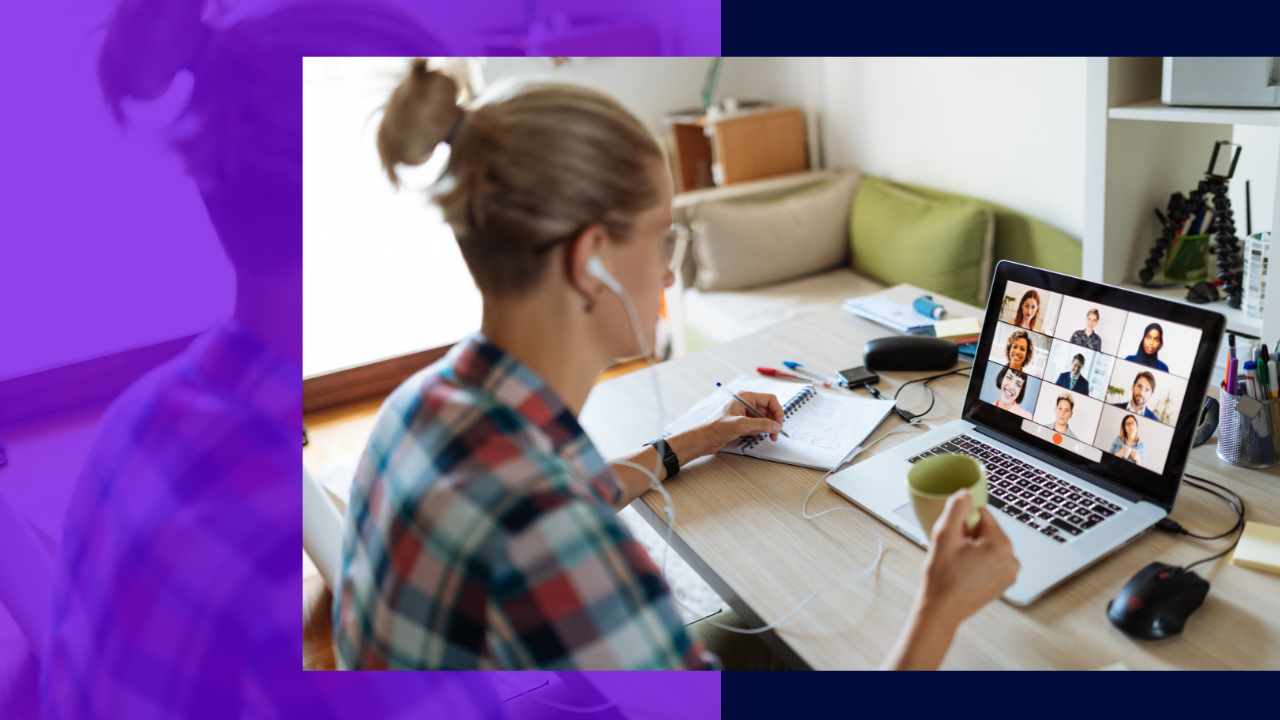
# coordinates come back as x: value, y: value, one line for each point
x: 1251, y: 442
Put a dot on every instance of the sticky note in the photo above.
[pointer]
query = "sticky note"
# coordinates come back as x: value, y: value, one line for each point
x: 957, y: 327
x: 1259, y: 548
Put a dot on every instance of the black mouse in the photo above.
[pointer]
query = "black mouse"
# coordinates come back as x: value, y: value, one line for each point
x: 1202, y: 292
x: 911, y: 352
x: 1157, y: 601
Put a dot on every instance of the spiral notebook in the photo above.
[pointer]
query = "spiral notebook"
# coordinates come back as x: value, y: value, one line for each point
x: 825, y: 428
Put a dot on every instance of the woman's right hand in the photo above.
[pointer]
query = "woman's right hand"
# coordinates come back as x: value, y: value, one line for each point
x: 963, y: 572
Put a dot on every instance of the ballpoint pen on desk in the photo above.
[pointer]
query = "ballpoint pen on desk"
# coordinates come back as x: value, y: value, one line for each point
x: 828, y: 382
x: 778, y: 373
x: 746, y: 405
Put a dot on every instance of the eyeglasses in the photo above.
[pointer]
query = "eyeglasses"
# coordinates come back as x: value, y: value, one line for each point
x: 674, y: 245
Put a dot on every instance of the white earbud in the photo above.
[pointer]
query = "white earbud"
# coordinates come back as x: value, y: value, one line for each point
x: 596, y: 269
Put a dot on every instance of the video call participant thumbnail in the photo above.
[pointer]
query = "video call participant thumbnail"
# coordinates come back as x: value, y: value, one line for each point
x: 1159, y: 344
x: 1010, y: 390
x: 1073, y: 379
x: 1150, y: 393
x: 1087, y: 337
x: 1020, y: 349
x: 1134, y: 439
x: 1149, y: 349
x: 1069, y: 414
x: 1029, y: 308
x: 1089, y: 325
x: 1144, y: 386
x: 1128, y: 445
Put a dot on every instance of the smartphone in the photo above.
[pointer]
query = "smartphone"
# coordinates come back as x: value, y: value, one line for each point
x: 859, y: 376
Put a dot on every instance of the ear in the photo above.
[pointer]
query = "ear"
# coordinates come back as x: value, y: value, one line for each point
x: 589, y: 243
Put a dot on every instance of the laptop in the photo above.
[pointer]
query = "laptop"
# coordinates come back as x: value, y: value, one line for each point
x: 1082, y: 402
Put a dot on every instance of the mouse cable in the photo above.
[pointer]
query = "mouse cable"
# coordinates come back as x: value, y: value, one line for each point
x: 908, y: 415
x: 1170, y: 526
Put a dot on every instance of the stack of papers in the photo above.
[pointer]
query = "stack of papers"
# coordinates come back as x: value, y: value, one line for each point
x: 884, y: 311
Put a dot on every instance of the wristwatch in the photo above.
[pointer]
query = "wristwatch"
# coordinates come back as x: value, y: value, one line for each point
x: 669, y: 458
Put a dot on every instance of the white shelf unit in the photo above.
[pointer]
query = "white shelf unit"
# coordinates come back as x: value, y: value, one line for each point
x: 1139, y: 151
x: 1157, y: 111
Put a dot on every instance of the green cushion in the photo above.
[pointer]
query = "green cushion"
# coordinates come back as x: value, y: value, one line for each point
x: 935, y: 244
x: 1022, y: 239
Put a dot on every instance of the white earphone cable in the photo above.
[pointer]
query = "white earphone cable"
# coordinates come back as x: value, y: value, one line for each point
x: 669, y: 505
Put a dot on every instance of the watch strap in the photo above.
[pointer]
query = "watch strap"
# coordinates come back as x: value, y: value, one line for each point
x: 669, y: 459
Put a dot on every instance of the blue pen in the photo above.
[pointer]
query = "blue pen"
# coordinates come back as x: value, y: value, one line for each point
x: 821, y: 378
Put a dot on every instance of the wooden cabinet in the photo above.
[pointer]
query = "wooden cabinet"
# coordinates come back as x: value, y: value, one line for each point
x: 747, y: 145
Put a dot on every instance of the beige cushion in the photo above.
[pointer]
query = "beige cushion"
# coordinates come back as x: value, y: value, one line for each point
x: 749, y: 244
x: 724, y: 316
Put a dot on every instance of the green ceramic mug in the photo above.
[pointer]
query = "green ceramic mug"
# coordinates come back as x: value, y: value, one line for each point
x: 934, y: 479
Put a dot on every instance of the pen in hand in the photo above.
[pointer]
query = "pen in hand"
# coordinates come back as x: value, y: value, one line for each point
x: 751, y: 409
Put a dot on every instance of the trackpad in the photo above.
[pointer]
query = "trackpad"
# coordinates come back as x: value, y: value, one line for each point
x: 908, y: 513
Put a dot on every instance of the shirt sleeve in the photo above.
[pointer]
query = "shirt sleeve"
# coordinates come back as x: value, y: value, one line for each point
x: 572, y: 590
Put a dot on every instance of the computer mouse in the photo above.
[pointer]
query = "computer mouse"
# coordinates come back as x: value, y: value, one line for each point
x: 1202, y: 292
x: 1157, y: 601
x: 910, y: 352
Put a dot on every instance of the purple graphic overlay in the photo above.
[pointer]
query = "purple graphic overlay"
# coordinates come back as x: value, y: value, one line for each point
x: 150, y: 354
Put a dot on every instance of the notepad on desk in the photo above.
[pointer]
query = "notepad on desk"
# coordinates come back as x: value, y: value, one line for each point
x: 825, y: 428
x: 1259, y: 547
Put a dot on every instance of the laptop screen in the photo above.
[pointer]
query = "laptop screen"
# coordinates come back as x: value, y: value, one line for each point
x: 1109, y: 381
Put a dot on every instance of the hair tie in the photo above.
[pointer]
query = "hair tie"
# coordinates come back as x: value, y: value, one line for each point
x: 453, y: 131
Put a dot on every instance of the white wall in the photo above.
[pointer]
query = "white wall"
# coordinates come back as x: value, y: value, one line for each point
x: 1009, y: 130
x: 382, y: 273
x: 648, y: 87
x: 1258, y: 163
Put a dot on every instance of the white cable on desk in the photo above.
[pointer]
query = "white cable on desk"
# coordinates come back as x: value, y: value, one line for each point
x: 804, y: 508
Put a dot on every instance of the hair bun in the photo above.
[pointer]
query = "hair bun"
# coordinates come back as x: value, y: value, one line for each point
x: 419, y: 115
x: 148, y: 42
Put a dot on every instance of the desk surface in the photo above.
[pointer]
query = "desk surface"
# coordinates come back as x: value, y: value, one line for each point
x: 738, y: 523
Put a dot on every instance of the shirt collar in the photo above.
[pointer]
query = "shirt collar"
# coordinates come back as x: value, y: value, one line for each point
x: 238, y: 365
x: 477, y: 361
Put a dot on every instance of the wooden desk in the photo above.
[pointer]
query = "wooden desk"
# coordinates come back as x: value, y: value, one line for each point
x: 738, y: 523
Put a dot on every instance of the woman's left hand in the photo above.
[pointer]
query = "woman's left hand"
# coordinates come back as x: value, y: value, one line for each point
x: 732, y: 422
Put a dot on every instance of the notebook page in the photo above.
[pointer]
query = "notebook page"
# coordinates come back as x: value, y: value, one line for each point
x: 708, y: 406
x: 824, y: 431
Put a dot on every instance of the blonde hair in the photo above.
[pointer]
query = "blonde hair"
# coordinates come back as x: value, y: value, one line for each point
x: 531, y: 164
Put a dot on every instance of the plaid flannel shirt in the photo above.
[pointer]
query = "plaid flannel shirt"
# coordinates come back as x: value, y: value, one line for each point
x: 177, y: 579
x: 481, y: 534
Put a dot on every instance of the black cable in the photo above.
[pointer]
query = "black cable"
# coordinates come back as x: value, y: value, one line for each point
x: 1170, y: 526
x: 908, y: 415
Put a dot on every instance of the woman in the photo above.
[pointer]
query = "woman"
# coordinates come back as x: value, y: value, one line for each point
x: 1127, y: 446
x: 1013, y: 387
x: 1062, y: 411
x: 482, y: 530
x: 1149, y: 349
x: 1087, y: 337
x: 1018, y: 350
x: 1028, y: 310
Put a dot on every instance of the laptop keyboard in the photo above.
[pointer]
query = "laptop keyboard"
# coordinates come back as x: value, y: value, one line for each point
x: 1038, y: 499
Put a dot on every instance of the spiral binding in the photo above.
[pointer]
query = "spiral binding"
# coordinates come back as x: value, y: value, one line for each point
x: 792, y: 406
